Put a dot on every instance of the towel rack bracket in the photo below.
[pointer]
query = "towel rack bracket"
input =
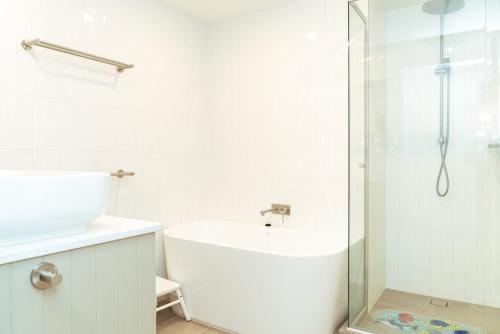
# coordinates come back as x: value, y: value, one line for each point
x: 26, y: 45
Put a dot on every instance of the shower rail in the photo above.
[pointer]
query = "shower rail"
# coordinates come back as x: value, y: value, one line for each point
x: 28, y: 45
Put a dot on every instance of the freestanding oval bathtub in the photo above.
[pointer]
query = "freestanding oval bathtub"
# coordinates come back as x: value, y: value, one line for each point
x: 252, y: 279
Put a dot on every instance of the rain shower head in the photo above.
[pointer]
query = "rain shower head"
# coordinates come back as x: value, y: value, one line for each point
x: 442, y: 7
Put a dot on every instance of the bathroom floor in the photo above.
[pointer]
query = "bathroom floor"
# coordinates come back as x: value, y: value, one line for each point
x: 397, y: 312
x: 168, y: 323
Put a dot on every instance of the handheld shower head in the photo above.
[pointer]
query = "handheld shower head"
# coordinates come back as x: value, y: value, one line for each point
x: 442, y: 7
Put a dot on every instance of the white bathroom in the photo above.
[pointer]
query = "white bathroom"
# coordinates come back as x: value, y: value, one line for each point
x: 249, y: 166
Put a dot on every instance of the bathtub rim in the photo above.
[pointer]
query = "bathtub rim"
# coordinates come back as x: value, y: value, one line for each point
x: 333, y: 252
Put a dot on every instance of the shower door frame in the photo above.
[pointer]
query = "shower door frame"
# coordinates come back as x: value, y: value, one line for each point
x: 352, y: 4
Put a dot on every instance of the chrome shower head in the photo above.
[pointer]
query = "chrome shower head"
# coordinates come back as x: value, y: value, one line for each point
x: 442, y: 7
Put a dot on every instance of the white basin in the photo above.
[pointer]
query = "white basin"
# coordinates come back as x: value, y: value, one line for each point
x: 41, y: 205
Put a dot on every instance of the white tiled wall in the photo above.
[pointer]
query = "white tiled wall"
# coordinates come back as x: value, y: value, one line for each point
x: 442, y: 247
x: 219, y: 120
x: 62, y: 112
x: 279, y: 114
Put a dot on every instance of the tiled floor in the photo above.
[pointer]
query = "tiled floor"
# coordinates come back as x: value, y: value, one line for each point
x: 485, y: 318
x: 168, y: 323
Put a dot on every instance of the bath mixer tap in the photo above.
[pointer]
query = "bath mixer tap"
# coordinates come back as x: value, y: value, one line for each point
x: 277, y: 209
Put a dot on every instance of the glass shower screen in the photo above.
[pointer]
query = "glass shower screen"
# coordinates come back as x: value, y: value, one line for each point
x: 358, y: 167
x: 424, y: 217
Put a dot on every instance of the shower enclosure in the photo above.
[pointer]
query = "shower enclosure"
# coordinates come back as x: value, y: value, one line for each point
x: 424, y: 190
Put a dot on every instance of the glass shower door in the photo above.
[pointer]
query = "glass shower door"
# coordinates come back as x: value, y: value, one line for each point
x: 492, y: 109
x: 357, y: 158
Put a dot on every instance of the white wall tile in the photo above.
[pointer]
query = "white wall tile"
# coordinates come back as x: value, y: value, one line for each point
x: 280, y: 115
x: 16, y: 119
x: 219, y: 120
x: 62, y: 112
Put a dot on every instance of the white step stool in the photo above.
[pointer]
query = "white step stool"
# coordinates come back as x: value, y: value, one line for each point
x: 163, y: 287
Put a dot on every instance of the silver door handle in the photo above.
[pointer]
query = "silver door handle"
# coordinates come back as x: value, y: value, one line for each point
x: 362, y: 165
x: 45, y: 275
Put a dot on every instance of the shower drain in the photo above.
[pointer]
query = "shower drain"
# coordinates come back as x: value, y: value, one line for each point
x: 439, y: 303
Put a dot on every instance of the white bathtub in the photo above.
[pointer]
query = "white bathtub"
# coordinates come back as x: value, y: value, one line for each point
x: 252, y: 279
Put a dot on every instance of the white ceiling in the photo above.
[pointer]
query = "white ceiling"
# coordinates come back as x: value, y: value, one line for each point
x: 214, y: 10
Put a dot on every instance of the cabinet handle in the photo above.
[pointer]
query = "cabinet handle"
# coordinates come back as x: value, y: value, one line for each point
x: 45, y: 275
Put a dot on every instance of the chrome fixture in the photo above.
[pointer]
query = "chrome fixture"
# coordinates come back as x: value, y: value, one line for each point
x: 277, y: 209
x: 45, y: 275
x: 121, y: 173
x: 442, y: 8
x: 28, y: 45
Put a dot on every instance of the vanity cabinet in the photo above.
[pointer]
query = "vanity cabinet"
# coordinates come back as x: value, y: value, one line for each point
x: 108, y: 288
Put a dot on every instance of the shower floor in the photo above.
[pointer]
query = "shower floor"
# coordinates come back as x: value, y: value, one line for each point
x: 397, y: 312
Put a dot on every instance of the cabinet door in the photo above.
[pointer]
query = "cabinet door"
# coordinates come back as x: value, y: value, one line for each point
x: 108, y: 289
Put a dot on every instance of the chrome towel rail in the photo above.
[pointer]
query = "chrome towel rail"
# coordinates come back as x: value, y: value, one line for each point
x: 121, y: 173
x: 28, y: 45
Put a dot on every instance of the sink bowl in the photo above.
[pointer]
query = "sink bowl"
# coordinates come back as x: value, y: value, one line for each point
x: 39, y: 205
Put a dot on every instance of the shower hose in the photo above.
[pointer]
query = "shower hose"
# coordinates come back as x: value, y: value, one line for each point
x: 444, y: 138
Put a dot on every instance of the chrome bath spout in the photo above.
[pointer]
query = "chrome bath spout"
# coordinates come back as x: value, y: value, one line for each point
x: 263, y: 212
x: 277, y: 209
